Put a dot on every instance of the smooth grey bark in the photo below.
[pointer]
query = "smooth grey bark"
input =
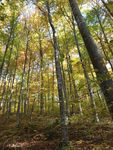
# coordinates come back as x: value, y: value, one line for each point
x: 26, y: 102
x: 88, y: 84
x: 65, y: 90
x: 48, y: 91
x: 53, y: 87
x: 105, y: 82
x: 5, y: 82
x: 76, y: 95
x: 59, y: 80
x: 12, y: 87
x: 71, y: 78
x: 41, y: 75
x: 20, y: 100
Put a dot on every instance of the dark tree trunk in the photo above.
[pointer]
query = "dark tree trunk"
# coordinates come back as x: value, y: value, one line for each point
x: 59, y: 80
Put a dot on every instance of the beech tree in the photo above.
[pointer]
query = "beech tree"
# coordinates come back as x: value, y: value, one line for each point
x: 59, y: 80
x: 105, y: 82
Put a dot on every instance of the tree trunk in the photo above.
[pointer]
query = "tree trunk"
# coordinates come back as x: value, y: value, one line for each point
x: 41, y: 76
x: 53, y: 87
x: 103, y: 77
x: 59, y: 80
x: 12, y: 87
x: 20, y: 100
x: 88, y: 84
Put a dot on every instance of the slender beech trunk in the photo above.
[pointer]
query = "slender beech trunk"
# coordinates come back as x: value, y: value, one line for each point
x: 70, y: 93
x: 53, y: 87
x: 5, y: 82
x: 38, y: 89
x: 26, y: 102
x: 76, y: 95
x: 41, y: 75
x: 20, y: 100
x: 48, y: 92
x: 45, y: 103
x: 12, y: 87
x: 91, y: 71
x: 103, y: 77
x: 72, y: 80
x: 59, y: 80
x: 32, y: 109
x: 65, y: 90
x: 16, y: 96
x: 90, y: 91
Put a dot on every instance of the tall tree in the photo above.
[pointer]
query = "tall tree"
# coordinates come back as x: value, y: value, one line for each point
x: 105, y: 82
x: 59, y: 79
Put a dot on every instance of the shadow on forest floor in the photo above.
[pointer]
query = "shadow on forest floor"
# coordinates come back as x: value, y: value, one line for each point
x: 45, y: 133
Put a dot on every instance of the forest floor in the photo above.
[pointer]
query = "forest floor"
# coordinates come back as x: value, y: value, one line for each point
x: 44, y: 133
